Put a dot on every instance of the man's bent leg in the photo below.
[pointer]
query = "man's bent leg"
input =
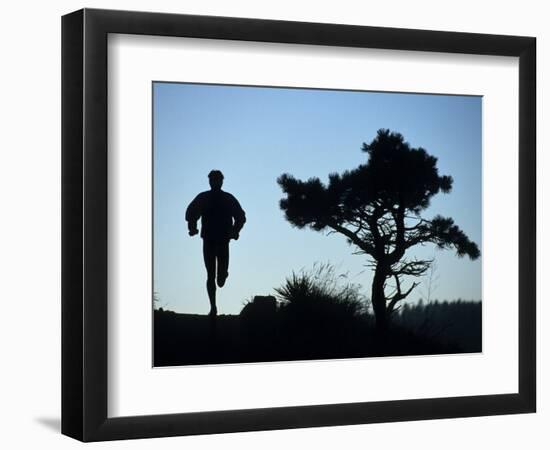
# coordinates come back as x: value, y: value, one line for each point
x: 209, y: 254
x: 223, y: 262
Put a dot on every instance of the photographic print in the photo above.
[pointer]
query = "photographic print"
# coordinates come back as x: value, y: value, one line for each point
x: 298, y: 223
x: 329, y: 204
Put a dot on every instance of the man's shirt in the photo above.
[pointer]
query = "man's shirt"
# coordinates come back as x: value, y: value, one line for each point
x: 220, y: 213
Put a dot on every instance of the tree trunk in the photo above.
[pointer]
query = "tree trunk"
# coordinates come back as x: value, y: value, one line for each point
x: 378, y: 299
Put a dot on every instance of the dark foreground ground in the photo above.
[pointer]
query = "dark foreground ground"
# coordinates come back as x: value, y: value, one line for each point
x: 183, y: 339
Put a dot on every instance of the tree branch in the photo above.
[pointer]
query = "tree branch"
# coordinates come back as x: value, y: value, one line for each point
x: 399, y: 294
x: 353, y: 237
x: 414, y: 268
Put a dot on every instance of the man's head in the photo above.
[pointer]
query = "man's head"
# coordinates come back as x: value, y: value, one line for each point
x: 215, y: 177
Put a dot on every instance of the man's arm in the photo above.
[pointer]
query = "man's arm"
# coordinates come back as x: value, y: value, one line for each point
x: 193, y: 214
x: 239, y: 218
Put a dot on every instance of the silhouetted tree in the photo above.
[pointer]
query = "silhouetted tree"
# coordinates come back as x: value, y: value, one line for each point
x: 377, y: 207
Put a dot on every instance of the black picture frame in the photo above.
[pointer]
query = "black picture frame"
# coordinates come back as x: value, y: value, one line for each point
x: 84, y: 224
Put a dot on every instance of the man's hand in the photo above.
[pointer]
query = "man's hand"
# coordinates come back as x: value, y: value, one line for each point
x: 193, y: 231
x: 234, y: 235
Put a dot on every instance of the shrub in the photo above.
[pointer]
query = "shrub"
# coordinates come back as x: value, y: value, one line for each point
x: 319, y: 295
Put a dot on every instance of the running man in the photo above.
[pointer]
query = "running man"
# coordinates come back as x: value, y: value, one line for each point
x: 222, y: 219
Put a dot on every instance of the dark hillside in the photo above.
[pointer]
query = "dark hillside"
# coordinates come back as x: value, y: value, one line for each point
x: 268, y: 331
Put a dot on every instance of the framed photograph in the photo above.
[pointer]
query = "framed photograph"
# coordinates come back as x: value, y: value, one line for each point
x: 271, y: 224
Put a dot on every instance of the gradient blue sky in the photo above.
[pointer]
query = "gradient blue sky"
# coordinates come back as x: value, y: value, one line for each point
x: 253, y: 135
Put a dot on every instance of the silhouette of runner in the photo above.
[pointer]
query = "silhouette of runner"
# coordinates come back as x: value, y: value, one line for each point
x: 222, y: 219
